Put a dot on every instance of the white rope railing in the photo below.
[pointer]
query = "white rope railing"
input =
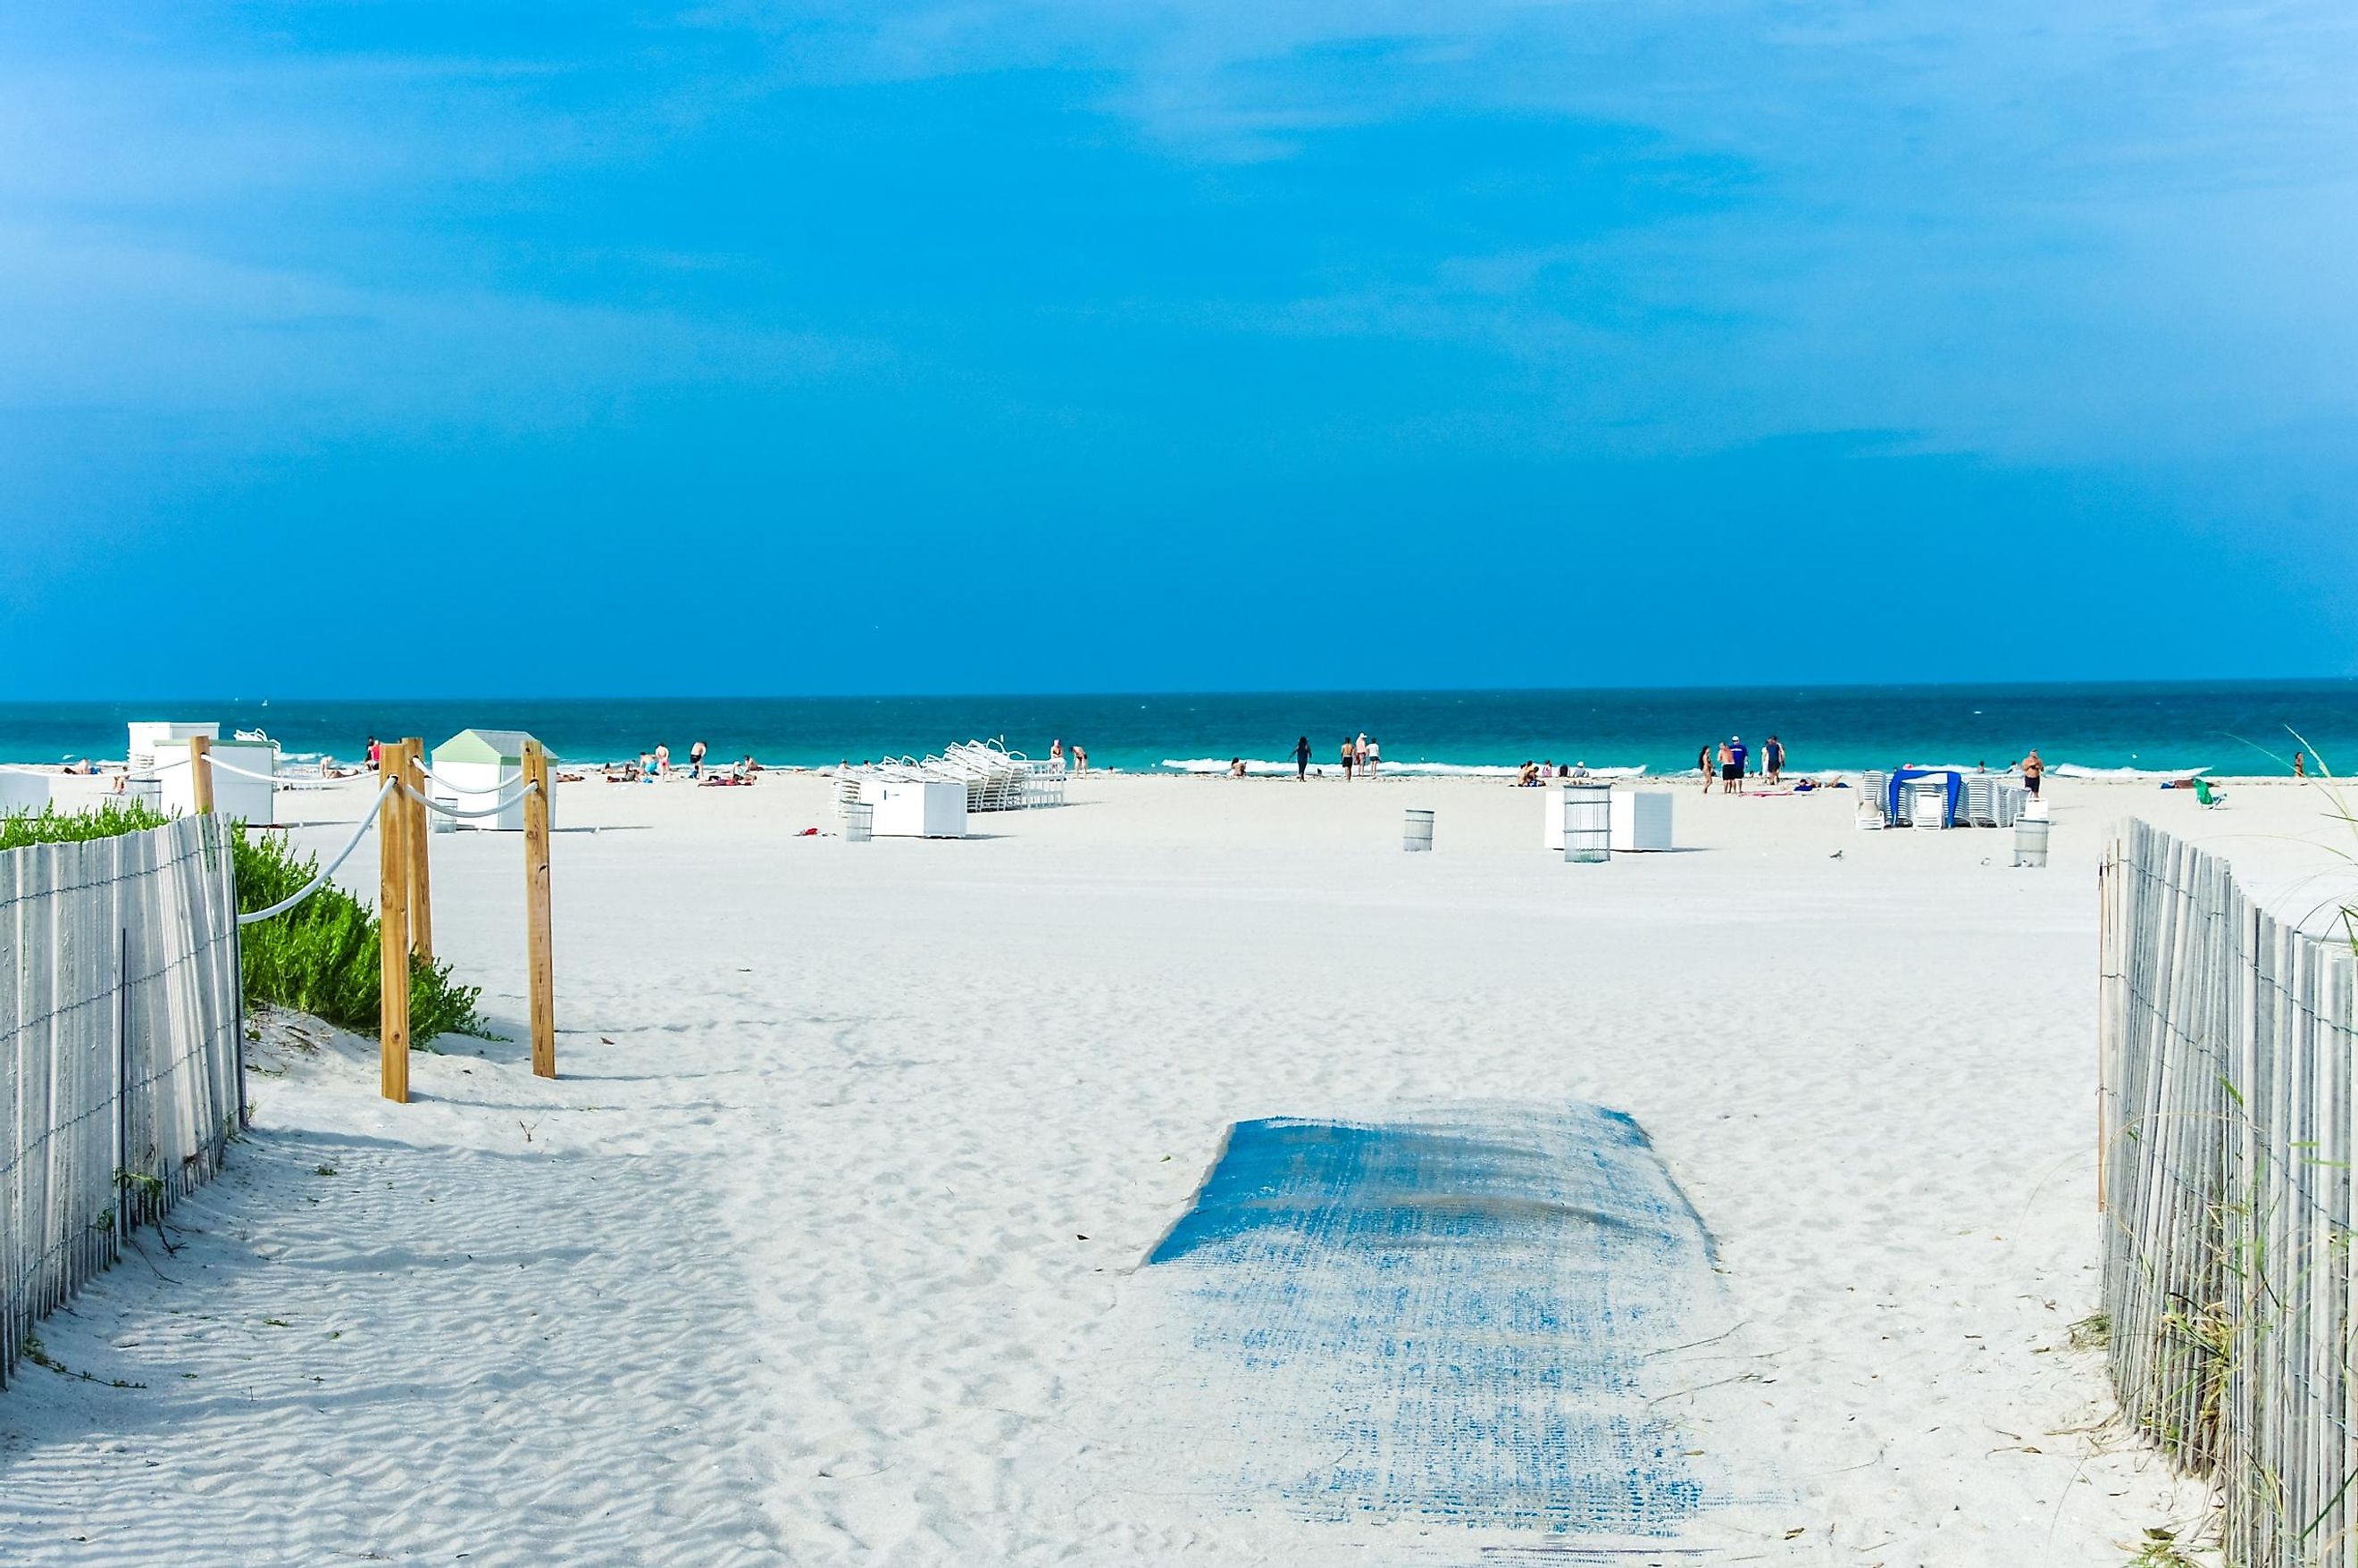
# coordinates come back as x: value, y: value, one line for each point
x: 279, y: 780
x: 315, y: 884
x: 214, y: 761
x: 463, y: 789
x: 492, y: 810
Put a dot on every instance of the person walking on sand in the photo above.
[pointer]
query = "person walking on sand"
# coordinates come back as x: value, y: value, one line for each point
x: 1772, y: 760
x: 1703, y: 766
x: 695, y: 759
x: 1350, y: 757
x: 2033, y: 770
x: 2299, y: 766
x: 1302, y: 760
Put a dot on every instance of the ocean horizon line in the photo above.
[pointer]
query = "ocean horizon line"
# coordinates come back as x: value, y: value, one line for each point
x: 2121, y: 727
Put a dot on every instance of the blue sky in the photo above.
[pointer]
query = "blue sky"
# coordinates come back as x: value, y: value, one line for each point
x: 877, y: 346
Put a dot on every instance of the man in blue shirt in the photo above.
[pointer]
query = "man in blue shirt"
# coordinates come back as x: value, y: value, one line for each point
x: 1736, y: 756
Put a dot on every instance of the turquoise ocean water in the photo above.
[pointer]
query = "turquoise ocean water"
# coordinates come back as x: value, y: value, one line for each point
x: 2157, y: 729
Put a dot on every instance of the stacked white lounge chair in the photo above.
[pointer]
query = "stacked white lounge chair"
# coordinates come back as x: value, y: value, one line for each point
x: 1869, y: 813
x: 996, y: 779
x: 1988, y: 801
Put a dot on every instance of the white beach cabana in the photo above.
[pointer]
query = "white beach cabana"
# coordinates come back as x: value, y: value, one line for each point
x: 479, y: 768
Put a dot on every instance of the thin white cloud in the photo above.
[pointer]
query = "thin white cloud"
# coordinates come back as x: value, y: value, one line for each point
x: 2034, y: 230
x: 105, y: 321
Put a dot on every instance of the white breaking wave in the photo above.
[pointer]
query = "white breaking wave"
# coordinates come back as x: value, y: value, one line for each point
x: 1258, y: 767
x: 2131, y: 775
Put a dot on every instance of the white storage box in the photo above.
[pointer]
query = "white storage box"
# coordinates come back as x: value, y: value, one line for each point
x: 23, y: 792
x: 234, y: 795
x: 157, y: 740
x: 1641, y: 819
x: 915, y: 810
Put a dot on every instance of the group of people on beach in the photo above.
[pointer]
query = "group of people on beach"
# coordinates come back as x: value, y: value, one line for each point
x: 1730, y: 760
x: 655, y: 763
x: 1361, y: 754
x: 1080, y: 757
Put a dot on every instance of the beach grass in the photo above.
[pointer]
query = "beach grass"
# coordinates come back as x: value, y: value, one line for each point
x: 319, y: 957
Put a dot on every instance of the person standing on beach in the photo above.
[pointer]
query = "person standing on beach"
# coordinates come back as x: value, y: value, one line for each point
x: 2033, y: 770
x: 1080, y: 759
x: 1056, y: 756
x: 1369, y: 758
x: 1703, y: 766
x: 1736, y: 756
x: 1302, y: 760
x: 1350, y: 755
x: 2299, y: 766
x: 662, y: 761
x: 1359, y: 751
x: 376, y: 752
x: 695, y: 759
x: 1772, y: 759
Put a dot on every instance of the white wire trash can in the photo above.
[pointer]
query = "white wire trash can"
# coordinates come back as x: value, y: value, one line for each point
x: 1587, y: 824
x: 2030, y: 842
x: 1416, y: 832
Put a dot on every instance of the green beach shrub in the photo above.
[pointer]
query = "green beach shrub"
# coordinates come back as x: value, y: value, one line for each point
x: 319, y: 957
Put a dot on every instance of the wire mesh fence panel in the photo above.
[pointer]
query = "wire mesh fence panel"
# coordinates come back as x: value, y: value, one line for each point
x: 119, y: 1049
x: 2224, y: 1045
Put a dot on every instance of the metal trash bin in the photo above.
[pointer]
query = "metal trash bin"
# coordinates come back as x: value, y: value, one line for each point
x: 2030, y: 841
x: 858, y: 822
x: 1416, y: 832
x: 1587, y: 824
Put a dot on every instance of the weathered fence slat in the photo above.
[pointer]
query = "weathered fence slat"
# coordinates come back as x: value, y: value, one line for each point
x: 2224, y: 1106
x: 120, y: 1050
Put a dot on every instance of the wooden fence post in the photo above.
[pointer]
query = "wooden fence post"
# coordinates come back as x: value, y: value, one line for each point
x: 541, y: 959
x: 393, y: 920
x: 200, y: 774
x: 421, y: 882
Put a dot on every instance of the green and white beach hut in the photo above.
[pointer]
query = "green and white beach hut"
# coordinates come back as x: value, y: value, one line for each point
x: 479, y: 768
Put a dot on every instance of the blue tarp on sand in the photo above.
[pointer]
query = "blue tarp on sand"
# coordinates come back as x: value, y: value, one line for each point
x: 1444, y: 1319
x: 1905, y: 776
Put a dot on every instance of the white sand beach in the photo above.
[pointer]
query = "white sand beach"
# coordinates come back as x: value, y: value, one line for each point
x: 827, y: 1245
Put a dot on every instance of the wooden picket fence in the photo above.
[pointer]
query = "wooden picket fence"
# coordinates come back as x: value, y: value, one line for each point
x: 120, y: 1082
x: 2225, y: 1123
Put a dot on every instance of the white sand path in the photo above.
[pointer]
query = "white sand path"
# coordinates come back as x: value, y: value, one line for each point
x: 819, y: 1260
